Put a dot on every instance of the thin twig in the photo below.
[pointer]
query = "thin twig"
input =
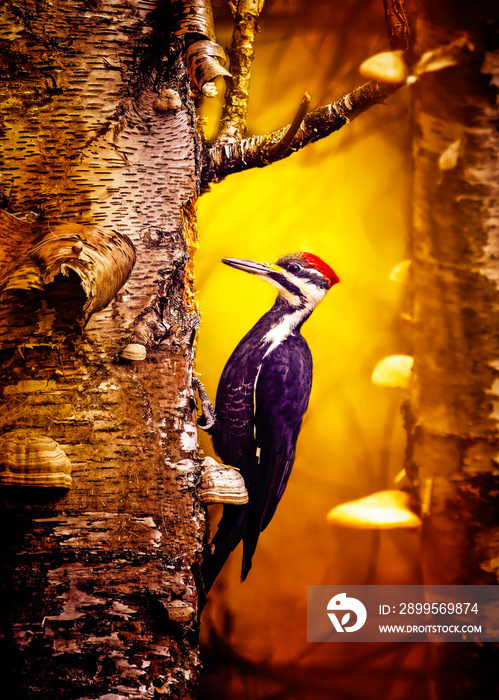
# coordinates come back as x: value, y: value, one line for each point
x: 280, y: 149
x: 241, y: 54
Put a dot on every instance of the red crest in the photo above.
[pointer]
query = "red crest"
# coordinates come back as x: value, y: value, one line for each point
x: 321, y: 266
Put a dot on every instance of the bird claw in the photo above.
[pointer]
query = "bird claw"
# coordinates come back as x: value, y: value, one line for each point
x: 207, y: 420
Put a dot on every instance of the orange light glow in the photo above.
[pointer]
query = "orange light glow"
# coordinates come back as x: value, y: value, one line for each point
x: 384, y: 510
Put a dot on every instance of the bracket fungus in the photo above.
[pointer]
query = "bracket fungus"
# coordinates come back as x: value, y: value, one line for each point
x: 388, y: 66
x: 401, y: 273
x: 391, y: 66
x: 179, y: 611
x: 393, y: 371
x: 221, y: 484
x: 383, y: 510
x: 33, y: 460
x: 135, y: 352
x: 78, y: 269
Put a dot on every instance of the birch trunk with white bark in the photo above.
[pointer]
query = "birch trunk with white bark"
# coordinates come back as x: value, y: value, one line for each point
x: 99, y: 176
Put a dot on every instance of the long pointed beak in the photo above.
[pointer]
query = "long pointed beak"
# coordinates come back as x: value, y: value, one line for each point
x: 255, y: 268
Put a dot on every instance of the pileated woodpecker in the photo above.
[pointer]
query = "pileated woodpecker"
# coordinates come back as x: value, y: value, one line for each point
x: 261, y: 398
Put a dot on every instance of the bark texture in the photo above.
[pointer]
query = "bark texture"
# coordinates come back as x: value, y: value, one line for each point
x: 97, y: 177
x: 453, y: 442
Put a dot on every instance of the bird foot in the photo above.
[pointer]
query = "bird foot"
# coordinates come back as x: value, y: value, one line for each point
x: 207, y: 420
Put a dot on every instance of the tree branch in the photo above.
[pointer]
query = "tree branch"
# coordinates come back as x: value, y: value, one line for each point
x: 241, y: 53
x: 231, y: 154
x: 397, y: 25
x: 224, y: 158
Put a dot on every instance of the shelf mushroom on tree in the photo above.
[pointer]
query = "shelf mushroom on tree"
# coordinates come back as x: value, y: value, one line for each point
x: 390, y: 509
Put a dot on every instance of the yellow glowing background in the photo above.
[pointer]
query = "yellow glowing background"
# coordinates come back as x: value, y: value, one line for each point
x: 346, y: 200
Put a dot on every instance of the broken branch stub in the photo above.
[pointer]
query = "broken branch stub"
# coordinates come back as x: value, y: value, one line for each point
x: 279, y: 149
x: 204, y: 57
x: 203, y: 63
x: 222, y: 158
x: 69, y: 263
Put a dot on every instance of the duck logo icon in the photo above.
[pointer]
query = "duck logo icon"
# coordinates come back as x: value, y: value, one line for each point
x: 341, y: 604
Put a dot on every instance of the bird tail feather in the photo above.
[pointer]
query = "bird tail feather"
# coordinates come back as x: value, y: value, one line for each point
x: 250, y: 541
x: 230, y: 532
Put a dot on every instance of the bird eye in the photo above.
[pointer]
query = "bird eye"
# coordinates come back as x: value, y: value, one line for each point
x: 294, y: 267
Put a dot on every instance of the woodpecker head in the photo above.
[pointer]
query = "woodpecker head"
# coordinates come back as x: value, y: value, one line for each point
x: 301, y: 278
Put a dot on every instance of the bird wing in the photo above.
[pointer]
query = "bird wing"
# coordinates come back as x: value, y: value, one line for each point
x: 281, y: 395
x: 232, y: 433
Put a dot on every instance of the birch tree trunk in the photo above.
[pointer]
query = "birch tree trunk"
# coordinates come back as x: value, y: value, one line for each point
x: 98, y: 176
x: 453, y: 442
